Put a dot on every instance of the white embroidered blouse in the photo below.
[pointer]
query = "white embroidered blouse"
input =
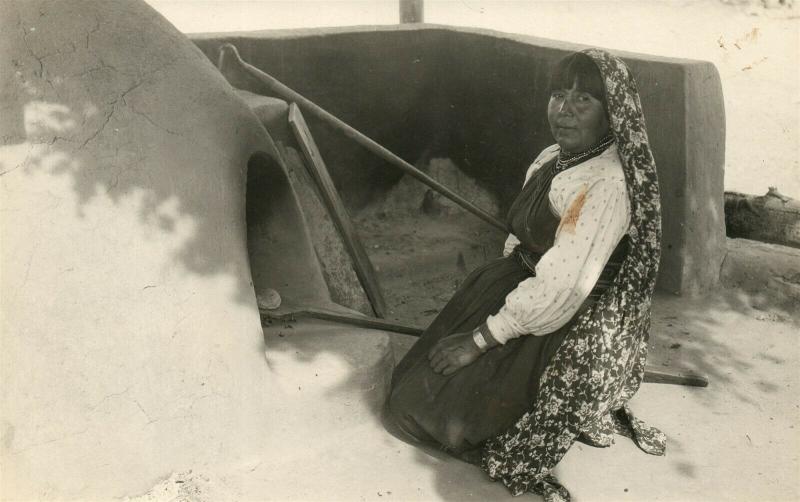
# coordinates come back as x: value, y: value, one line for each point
x: 591, y: 200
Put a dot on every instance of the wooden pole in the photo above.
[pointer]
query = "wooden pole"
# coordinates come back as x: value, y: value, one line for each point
x: 651, y: 374
x: 228, y: 51
x: 659, y: 375
x: 412, y: 11
x: 319, y: 172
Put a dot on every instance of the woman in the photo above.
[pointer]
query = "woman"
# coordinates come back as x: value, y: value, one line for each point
x: 547, y: 344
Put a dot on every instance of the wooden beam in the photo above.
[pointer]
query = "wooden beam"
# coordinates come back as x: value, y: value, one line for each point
x: 412, y: 11
x: 319, y: 172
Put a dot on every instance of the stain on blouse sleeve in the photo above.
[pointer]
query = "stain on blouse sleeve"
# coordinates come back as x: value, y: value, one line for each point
x: 571, y: 215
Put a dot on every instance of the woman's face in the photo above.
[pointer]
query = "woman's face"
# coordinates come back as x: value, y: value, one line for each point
x: 577, y: 119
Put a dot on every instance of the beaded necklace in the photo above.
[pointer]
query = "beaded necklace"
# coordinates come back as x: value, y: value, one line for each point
x: 566, y: 160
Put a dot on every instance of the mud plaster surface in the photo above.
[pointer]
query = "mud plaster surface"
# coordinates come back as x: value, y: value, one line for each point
x: 129, y: 333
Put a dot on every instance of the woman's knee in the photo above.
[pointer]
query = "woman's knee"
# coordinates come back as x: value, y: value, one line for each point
x: 399, y: 411
x: 396, y: 407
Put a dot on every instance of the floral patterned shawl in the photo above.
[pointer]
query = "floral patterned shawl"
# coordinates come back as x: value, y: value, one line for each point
x: 584, y: 390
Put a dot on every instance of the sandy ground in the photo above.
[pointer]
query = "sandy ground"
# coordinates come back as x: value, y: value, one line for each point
x: 736, y: 440
x: 756, y: 51
x: 420, y: 266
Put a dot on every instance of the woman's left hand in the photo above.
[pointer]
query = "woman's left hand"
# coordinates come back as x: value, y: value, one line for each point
x: 453, y: 352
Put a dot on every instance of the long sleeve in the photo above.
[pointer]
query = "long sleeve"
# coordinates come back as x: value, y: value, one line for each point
x: 595, y: 217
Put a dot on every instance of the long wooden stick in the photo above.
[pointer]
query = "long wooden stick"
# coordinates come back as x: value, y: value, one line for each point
x: 318, y: 171
x: 229, y: 52
x: 651, y: 374
x: 361, y: 322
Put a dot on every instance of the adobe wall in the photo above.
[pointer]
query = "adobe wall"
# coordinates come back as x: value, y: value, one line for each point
x: 479, y: 98
x: 130, y: 341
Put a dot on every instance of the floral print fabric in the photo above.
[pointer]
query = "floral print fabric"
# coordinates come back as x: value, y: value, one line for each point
x: 600, y: 365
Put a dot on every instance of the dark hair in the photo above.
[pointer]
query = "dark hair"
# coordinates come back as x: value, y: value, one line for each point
x: 579, y: 69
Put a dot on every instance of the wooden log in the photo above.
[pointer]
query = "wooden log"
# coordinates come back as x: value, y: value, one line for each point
x: 651, y: 374
x: 319, y: 172
x: 772, y: 218
x: 230, y: 56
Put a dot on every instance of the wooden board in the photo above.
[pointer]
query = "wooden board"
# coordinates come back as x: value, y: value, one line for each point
x: 319, y: 173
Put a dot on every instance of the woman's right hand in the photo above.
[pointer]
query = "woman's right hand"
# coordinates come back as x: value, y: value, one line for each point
x: 453, y: 352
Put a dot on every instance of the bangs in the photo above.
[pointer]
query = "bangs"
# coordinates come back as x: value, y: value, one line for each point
x: 578, y: 69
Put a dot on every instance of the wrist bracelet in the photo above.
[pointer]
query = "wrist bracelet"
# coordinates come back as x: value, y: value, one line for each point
x: 488, y: 337
x: 477, y: 337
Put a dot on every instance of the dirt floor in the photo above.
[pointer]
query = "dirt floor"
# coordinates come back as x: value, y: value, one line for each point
x: 421, y: 265
x: 735, y: 440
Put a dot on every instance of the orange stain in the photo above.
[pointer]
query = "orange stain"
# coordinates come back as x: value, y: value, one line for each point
x: 570, y: 218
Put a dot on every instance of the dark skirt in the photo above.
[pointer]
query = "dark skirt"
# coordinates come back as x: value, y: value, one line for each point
x: 460, y: 411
